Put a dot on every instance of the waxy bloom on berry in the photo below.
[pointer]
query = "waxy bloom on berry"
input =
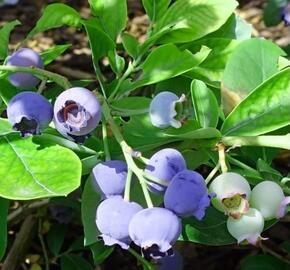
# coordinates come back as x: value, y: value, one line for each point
x: 24, y: 57
x: 155, y: 230
x: 113, y: 218
x: 286, y: 14
x: 164, y: 164
x: 109, y: 177
x: 187, y: 195
x: 77, y: 112
x: 269, y: 199
x: 163, y: 110
x: 29, y: 112
x: 248, y: 227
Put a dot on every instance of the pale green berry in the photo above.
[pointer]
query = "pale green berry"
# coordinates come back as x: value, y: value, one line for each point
x: 269, y: 199
x: 232, y: 192
x: 249, y: 227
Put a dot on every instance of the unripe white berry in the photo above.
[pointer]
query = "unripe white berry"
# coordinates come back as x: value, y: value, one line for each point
x: 249, y: 227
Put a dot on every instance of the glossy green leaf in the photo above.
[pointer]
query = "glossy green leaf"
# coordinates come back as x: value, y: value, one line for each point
x: 89, y: 163
x: 54, y: 16
x: 5, y: 127
x: 100, y: 252
x: 74, y: 262
x: 252, y: 62
x: 131, y: 105
x: 30, y: 171
x: 266, y: 109
x: 267, y: 172
x: 130, y: 44
x: 117, y: 62
x: 167, y: 61
x: 90, y: 202
x: 155, y: 8
x: 7, y: 90
x: 3, y: 226
x: 263, y: 262
x: 205, y: 105
x: 192, y: 19
x: 51, y: 54
x: 5, y: 31
x: 112, y: 15
x: 100, y: 42
x: 55, y: 238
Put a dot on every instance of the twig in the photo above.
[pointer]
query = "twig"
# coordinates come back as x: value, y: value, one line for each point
x: 21, y: 244
x: 45, y: 254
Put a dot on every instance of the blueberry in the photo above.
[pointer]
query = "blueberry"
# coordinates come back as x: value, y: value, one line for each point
x: 232, y: 193
x: 173, y: 262
x: 286, y: 14
x: 155, y: 230
x: 164, y: 164
x: 187, y: 195
x: 163, y: 110
x: 269, y: 199
x: 113, y: 218
x: 248, y: 227
x: 29, y: 113
x: 110, y: 177
x: 77, y: 112
x: 24, y: 57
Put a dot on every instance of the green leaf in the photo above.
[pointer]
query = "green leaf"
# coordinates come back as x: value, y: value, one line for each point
x: 212, y: 68
x: 266, y: 109
x: 189, y: 20
x: 131, y: 105
x: 155, y: 8
x: 5, y: 127
x: 117, y: 62
x: 4, y: 204
x: 100, y: 252
x: 55, y: 238
x: 51, y: 54
x: 267, y: 172
x: 74, y: 262
x: 90, y: 202
x: 89, y: 163
x: 130, y: 44
x: 211, y: 230
x: 263, y: 262
x: 112, y: 15
x: 254, y: 60
x: 31, y: 171
x: 7, y: 90
x: 205, y: 104
x: 5, y: 31
x: 54, y: 16
x: 272, y: 12
x: 100, y: 42
x: 195, y: 158
x: 167, y: 61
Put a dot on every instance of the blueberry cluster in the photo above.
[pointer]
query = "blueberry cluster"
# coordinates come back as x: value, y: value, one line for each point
x: 76, y: 111
x: 154, y: 229
x: 247, y: 209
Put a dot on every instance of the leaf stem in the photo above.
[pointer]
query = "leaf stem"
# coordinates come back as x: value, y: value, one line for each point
x: 41, y: 86
x: 41, y: 73
x: 212, y: 173
x: 127, y: 152
x: 266, y: 140
x: 105, y: 140
x: 222, y: 157
x: 128, y: 185
x: 45, y: 254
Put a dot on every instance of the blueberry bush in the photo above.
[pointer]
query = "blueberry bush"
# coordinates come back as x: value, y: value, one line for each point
x: 126, y: 149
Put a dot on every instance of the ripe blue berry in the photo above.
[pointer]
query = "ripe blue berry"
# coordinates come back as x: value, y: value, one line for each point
x: 24, y: 57
x: 173, y: 262
x: 77, y: 112
x: 29, y: 113
x: 286, y: 14
x: 162, y: 110
x: 155, y: 230
x: 113, y: 218
x: 164, y: 164
x: 269, y: 199
x: 187, y: 195
x: 110, y: 177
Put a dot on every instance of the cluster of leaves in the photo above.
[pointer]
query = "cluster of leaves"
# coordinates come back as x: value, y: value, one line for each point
x: 238, y: 88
